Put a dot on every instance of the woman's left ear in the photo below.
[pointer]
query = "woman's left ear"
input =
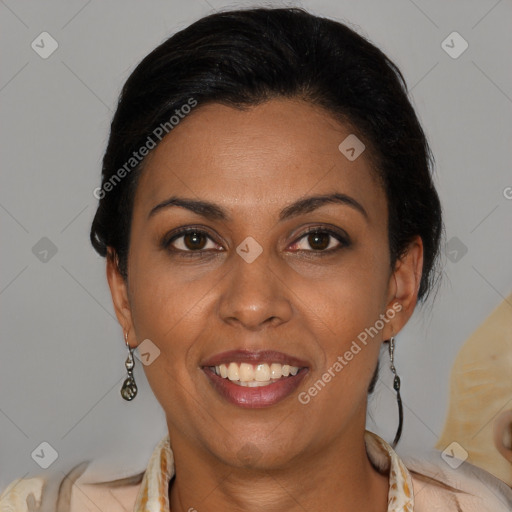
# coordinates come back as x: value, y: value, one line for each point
x: 405, y: 281
x: 119, y: 292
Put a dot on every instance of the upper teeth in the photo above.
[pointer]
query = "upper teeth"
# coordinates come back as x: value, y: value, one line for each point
x: 264, y: 373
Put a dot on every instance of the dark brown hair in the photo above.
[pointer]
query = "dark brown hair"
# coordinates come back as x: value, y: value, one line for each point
x: 242, y: 58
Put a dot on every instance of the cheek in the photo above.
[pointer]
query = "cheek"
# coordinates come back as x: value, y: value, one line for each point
x: 170, y: 313
x: 341, y: 308
x: 346, y: 297
x: 166, y: 296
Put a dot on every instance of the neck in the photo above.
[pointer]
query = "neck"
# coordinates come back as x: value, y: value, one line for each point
x: 338, y: 477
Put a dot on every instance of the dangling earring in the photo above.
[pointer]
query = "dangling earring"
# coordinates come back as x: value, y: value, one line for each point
x: 129, y: 389
x: 396, y: 387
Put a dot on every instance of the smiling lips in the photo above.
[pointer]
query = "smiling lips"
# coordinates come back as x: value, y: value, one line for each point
x: 254, y: 379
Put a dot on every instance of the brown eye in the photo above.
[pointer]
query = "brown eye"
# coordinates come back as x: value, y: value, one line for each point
x: 319, y: 241
x: 194, y: 240
x: 189, y: 241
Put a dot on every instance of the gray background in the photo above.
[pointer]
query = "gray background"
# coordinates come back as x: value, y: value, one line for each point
x: 62, y: 352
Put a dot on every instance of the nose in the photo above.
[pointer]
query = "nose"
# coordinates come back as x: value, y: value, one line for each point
x: 255, y: 295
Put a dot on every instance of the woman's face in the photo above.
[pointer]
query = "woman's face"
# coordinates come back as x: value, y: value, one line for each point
x: 253, y: 280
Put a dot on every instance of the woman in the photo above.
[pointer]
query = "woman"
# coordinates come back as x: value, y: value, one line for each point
x: 269, y: 220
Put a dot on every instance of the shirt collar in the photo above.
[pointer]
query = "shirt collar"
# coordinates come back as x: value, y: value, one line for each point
x: 153, y: 493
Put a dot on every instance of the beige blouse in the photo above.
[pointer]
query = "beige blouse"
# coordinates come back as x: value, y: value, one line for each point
x: 419, y: 486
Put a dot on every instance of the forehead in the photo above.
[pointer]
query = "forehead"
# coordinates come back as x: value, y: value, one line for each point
x: 259, y: 158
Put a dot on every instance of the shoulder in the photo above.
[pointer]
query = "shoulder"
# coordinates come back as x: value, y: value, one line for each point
x: 67, y: 492
x: 464, y: 487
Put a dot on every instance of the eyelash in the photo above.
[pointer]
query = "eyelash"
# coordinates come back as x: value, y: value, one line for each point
x: 168, y: 240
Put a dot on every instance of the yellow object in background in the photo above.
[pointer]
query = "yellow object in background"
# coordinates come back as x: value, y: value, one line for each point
x: 480, y: 411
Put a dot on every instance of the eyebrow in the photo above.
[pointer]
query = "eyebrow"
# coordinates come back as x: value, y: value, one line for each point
x: 212, y: 211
